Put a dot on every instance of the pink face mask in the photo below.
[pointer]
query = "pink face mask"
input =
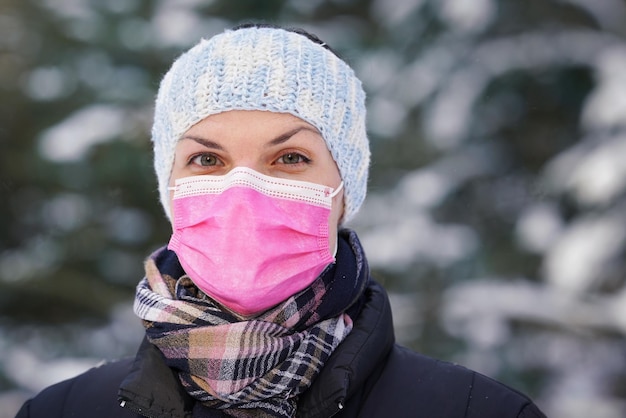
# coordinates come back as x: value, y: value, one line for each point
x: 248, y: 240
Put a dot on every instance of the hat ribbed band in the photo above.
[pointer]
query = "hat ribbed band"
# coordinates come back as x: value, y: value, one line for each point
x: 265, y: 69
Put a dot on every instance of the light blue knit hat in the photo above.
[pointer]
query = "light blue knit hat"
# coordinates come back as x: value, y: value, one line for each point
x: 260, y: 68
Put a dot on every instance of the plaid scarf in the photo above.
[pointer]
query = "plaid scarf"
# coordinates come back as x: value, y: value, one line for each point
x: 243, y: 367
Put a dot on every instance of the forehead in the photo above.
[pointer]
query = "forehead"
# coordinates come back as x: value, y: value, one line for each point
x: 251, y: 124
x: 240, y: 118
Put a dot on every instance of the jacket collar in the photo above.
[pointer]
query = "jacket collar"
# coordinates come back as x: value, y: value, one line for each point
x: 152, y: 389
x: 355, y: 361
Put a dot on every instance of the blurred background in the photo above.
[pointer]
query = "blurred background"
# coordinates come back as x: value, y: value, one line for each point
x: 497, y: 209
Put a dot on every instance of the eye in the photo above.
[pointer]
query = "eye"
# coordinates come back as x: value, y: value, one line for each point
x: 293, y: 158
x: 205, y: 160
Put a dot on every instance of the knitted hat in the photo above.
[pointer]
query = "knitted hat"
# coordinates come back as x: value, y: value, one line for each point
x: 261, y: 68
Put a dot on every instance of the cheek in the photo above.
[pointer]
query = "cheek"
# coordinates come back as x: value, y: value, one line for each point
x: 334, y: 220
x: 336, y: 213
x: 171, y: 200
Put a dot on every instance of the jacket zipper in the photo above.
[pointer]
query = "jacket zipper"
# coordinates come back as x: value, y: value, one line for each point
x: 340, y: 407
x: 136, y: 409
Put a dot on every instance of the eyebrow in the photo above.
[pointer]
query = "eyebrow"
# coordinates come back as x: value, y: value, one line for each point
x: 276, y: 141
x: 203, y: 141
x: 288, y: 135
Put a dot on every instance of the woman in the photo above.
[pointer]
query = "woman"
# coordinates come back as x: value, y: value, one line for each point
x: 262, y: 304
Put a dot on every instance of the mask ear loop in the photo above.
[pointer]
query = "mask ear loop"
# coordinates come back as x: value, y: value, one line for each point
x: 337, y: 190
x: 332, y: 195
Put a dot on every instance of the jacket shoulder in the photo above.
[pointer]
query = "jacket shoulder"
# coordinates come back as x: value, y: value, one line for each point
x: 415, y: 385
x: 90, y: 394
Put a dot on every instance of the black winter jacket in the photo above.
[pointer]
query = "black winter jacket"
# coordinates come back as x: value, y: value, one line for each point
x: 367, y: 376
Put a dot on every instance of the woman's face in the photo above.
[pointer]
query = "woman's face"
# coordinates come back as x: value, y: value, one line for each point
x: 274, y: 144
